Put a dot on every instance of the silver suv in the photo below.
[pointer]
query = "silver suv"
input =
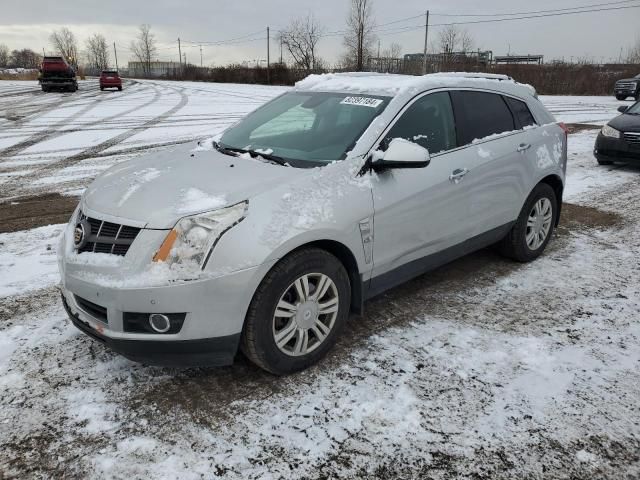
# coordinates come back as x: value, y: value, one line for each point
x: 341, y: 188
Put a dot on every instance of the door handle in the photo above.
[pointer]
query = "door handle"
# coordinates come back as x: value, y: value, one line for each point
x: 523, y: 146
x: 458, y: 174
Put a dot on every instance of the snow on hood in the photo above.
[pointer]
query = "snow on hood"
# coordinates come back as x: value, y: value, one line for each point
x: 158, y: 189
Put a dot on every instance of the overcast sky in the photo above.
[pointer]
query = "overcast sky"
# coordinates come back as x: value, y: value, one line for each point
x: 599, y: 35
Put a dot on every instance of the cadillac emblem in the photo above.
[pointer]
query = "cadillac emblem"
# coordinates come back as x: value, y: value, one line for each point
x: 80, y: 234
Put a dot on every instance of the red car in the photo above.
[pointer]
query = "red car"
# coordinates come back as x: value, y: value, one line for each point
x: 110, y: 79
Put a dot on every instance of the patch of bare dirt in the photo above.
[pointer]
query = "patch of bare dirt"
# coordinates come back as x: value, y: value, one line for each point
x: 579, y: 217
x: 24, y: 213
x: 580, y: 127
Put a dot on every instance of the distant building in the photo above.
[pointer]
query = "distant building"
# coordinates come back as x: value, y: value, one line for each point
x: 156, y: 69
x: 523, y: 59
x: 479, y: 56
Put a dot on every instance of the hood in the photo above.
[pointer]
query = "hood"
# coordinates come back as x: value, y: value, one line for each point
x: 158, y: 189
x: 634, y: 79
x: 626, y: 123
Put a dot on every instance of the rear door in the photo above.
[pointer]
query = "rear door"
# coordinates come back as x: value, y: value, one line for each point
x: 420, y: 212
x: 494, y: 146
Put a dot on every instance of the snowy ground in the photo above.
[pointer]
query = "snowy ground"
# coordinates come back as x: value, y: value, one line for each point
x: 483, y: 369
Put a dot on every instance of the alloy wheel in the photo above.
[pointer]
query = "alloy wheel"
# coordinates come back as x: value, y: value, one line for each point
x: 539, y: 223
x: 305, y: 314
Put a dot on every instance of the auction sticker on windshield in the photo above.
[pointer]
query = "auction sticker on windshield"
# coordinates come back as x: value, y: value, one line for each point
x: 362, y: 101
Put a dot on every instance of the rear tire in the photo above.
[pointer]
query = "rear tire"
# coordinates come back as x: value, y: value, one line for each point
x: 102, y: 89
x: 287, y: 328
x: 534, y: 227
x: 119, y: 89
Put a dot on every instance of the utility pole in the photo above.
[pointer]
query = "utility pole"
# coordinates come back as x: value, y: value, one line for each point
x: 43, y: 54
x: 200, y: 56
x: 280, y: 48
x: 268, y: 59
x: 115, y: 54
x: 179, y: 54
x: 426, y: 39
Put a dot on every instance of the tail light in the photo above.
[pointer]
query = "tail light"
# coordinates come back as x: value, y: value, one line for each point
x: 564, y: 128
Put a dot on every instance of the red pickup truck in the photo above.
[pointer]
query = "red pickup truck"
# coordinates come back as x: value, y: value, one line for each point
x: 57, y: 74
x: 110, y: 79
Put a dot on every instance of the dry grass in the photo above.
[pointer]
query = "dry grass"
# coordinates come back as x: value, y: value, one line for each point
x: 33, y: 75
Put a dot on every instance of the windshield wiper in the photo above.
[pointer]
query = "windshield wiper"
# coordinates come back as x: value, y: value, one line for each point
x: 253, y: 153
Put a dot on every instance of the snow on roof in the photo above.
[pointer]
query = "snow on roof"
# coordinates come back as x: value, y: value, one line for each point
x: 393, y: 85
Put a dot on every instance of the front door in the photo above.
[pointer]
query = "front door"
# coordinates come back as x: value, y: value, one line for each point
x: 419, y: 212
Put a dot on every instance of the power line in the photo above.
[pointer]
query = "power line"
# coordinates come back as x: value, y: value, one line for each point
x: 528, y: 13
x: 378, y: 29
x: 494, y: 20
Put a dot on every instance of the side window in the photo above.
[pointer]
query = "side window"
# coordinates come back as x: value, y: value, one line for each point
x: 427, y: 122
x: 521, y: 112
x: 480, y: 114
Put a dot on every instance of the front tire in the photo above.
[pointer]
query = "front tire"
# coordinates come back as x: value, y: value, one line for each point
x: 534, y: 227
x: 605, y: 162
x: 297, y: 312
x: 621, y: 97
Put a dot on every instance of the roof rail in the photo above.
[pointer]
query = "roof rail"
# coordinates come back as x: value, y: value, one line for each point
x: 488, y: 76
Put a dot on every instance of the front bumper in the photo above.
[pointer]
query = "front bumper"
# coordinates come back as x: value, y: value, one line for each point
x: 99, y: 300
x: 217, y: 351
x: 214, y: 311
x: 616, y: 150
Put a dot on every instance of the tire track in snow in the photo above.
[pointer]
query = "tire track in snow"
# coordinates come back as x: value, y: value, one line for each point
x: 11, y: 186
x: 67, y: 98
x: 55, y: 130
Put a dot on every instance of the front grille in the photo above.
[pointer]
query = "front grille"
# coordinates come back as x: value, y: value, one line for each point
x: 632, y: 138
x: 96, y: 311
x: 625, y: 85
x: 107, y: 237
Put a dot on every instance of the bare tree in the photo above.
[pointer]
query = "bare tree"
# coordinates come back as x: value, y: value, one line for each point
x: 97, y: 52
x: 4, y: 55
x: 25, y: 58
x: 453, y: 39
x: 393, y: 51
x: 633, y: 53
x: 359, y: 38
x: 65, y: 44
x: 301, y: 39
x: 144, y: 47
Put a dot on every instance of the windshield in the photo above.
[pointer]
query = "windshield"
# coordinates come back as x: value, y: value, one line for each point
x: 306, y: 129
x: 635, y: 109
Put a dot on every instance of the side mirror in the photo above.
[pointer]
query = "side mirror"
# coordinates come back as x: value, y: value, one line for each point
x: 401, y: 154
x: 622, y: 108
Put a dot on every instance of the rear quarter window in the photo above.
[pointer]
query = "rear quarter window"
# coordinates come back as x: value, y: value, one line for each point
x: 480, y: 114
x: 521, y: 112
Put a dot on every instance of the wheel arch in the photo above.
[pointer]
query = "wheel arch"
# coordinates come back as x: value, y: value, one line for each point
x: 348, y: 260
x: 555, y: 182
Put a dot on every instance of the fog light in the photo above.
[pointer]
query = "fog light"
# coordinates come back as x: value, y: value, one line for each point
x: 159, y: 323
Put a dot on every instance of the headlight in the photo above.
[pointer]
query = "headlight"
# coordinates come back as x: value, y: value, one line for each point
x: 610, y: 132
x: 193, y: 238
